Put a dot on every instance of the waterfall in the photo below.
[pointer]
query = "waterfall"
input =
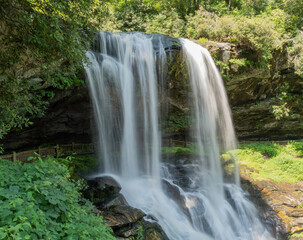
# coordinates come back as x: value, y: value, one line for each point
x: 125, y: 80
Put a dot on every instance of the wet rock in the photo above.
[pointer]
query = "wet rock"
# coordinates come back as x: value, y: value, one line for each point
x: 123, y: 215
x: 168, y: 43
x: 127, y: 222
x: 153, y: 231
x: 102, y: 190
x: 129, y: 231
x: 174, y: 193
x: 281, y: 204
x: 119, y: 200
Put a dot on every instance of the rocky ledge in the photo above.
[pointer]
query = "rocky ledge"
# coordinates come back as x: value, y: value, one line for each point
x: 128, y: 223
x: 281, y: 204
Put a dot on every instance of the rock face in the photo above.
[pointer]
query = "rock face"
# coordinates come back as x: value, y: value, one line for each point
x: 280, y: 204
x: 127, y: 222
x: 254, y: 92
x: 69, y: 119
x: 102, y: 190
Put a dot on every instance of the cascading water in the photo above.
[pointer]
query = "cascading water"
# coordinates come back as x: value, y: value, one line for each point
x: 124, y: 85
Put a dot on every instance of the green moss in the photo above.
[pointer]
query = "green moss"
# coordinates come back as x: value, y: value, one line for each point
x: 297, y: 236
x: 178, y: 68
x: 176, y: 150
x: 274, y: 161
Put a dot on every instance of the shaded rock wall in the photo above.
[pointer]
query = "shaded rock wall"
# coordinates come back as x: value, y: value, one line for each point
x: 68, y: 119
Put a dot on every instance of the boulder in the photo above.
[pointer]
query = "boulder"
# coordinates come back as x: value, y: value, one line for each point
x: 102, y: 190
x: 121, y: 216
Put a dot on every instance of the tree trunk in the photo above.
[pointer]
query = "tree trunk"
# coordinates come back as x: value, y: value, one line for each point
x: 229, y: 5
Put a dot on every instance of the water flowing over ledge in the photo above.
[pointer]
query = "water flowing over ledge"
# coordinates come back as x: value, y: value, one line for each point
x: 126, y: 75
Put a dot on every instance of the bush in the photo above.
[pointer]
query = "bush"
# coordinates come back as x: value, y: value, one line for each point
x: 257, y: 34
x: 296, y: 53
x: 38, y: 201
x: 168, y: 23
x: 269, y: 149
x: 133, y: 17
x: 201, y: 24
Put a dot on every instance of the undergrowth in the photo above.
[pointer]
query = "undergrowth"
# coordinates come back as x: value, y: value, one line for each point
x: 39, y: 201
x: 277, y: 162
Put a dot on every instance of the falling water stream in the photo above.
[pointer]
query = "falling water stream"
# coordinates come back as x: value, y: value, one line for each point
x: 124, y: 82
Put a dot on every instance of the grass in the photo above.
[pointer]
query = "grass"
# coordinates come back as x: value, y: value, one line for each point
x: 297, y: 235
x: 274, y: 161
x: 176, y: 150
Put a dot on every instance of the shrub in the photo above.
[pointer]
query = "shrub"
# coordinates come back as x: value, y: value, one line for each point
x: 296, y: 53
x: 38, y: 201
x: 168, y: 23
x: 201, y: 24
x: 269, y: 149
x: 257, y: 34
x: 133, y: 16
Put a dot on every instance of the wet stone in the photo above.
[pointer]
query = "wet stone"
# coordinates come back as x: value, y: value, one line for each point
x: 283, y: 201
x: 102, y: 190
x: 120, y: 216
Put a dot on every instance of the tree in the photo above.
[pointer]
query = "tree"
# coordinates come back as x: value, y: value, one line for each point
x: 39, y: 38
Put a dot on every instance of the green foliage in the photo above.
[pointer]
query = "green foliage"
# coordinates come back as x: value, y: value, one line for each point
x: 64, y: 82
x: 265, y: 148
x: 297, y: 235
x: 39, y: 38
x: 298, y: 146
x: 259, y: 28
x: 19, y: 102
x: 278, y: 162
x: 241, y: 62
x: 257, y: 34
x: 176, y: 150
x: 282, y: 110
x: 295, y: 9
x: 296, y: 53
x: 140, y: 235
x: 253, y: 7
x: 134, y: 16
x: 39, y: 201
x: 168, y: 23
x: 177, y: 123
x: 79, y: 164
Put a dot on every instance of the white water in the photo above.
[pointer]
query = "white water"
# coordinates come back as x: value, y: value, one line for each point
x: 124, y: 87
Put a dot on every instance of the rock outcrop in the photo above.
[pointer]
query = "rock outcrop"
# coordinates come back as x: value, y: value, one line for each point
x: 127, y: 222
x: 280, y: 204
x: 68, y: 119
x: 253, y: 93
